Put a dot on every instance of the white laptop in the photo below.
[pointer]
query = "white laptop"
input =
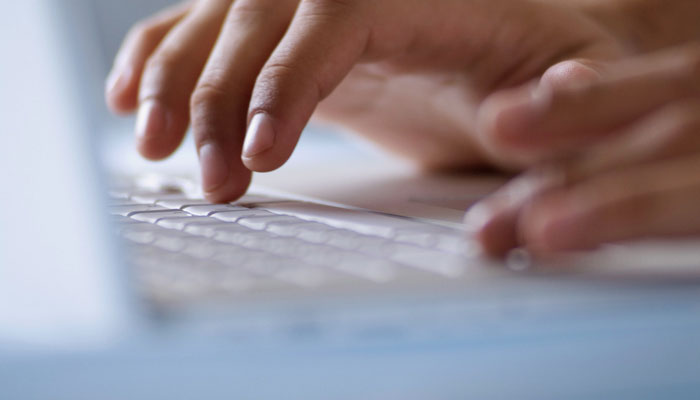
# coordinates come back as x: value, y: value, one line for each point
x: 133, y: 287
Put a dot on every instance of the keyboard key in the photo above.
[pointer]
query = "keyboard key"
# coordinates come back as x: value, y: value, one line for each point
x: 128, y: 211
x: 210, y: 228
x: 427, y: 259
x: 354, y: 220
x: 155, y: 216
x: 171, y: 241
x: 252, y: 199
x: 233, y: 216
x: 148, y: 197
x: 284, y: 268
x: 350, y: 240
x: 314, y: 232
x: 180, y: 223
x: 312, y: 276
x: 294, y: 248
x: 142, y: 233
x: 261, y: 222
x: 202, y: 248
x: 206, y: 210
x: 244, y: 237
x: 121, y: 222
x: 456, y: 244
x: 171, y: 277
x: 179, y: 203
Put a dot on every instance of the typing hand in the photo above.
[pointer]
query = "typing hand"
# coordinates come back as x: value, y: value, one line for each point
x: 409, y: 74
x: 627, y: 135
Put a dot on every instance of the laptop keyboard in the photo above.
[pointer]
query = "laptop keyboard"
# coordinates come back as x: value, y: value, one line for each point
x: 182, y: 247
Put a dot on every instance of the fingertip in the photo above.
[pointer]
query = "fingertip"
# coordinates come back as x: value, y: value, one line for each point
x: 235, y: 186
x: 153, y: 150
x: 120, y: 91
x: 223, y: 178
x: 119, y: 103
x: 571, y: 74
x: 552, y: 225
x: 492, y: 224
x: 158, y: 130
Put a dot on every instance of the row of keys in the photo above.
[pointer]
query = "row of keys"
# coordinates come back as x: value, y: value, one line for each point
x: 268, y: 240
x: 420, y: 234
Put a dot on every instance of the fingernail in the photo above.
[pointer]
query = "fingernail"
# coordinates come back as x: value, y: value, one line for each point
x: 151, y: 119
x: 117, y: 79
x: 260, y: 136
x: 215, y: 169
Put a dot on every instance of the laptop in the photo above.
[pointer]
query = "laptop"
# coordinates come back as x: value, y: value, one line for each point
x: 115, y: 283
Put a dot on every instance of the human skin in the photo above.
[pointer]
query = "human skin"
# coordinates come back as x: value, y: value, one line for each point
x: 410, y: 75
x: 628, y: 140
x: 615, y: 150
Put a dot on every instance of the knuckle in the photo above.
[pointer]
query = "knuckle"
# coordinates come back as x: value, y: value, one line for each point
x: 280, y: 70
x: 210, y: 110
x: 162, y: 64
x: 251, y: 9
x: 158, y: 72
x: 281, y: 75
x: 208, y: 95
x: 331, y: 3
x: 330, y: 9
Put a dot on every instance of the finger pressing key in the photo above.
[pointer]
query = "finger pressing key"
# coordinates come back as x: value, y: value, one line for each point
x: 220, y: 101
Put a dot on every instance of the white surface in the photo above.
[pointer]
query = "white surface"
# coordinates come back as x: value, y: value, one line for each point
x: 56, y: 286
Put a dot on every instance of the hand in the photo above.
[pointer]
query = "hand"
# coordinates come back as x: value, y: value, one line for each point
x: 409, y: 74
x: 628, y: 138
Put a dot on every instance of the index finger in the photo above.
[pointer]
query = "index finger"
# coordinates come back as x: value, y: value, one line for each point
x: 324, y: 41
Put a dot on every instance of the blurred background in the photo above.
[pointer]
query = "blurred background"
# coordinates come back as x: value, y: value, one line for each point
x: 111, y: 20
